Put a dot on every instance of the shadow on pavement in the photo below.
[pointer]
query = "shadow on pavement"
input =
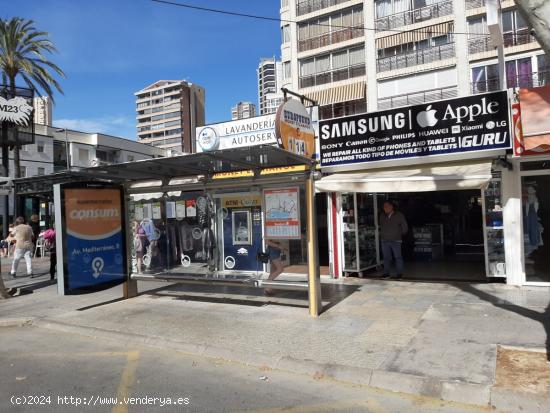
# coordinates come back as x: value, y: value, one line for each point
x: 331, y: 294
x: 543, y: 318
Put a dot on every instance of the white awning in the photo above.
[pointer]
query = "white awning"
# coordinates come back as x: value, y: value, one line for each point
x: 421, y: 178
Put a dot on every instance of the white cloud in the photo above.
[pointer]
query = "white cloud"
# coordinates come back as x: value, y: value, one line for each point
x: 113, y: 125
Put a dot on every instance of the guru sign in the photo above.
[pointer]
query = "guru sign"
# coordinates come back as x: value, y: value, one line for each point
x: 473, y: 123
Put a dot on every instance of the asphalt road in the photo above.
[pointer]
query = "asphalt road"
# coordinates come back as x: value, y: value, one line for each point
x: 63, y: 372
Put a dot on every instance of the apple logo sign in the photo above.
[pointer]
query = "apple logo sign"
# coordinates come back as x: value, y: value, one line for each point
x: 427, y: 117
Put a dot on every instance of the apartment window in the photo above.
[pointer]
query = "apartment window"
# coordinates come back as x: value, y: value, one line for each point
x: 39, y: 146
x: 285, y: 35
x: 83, y: 155
x: 340, y: 65
x: 341, y: 20
x: 485, y: 78
x: 172, y: 123
x: 519, y: 73
x: 23, y: 171
x: 41, y: 171
x: 388, y: 7
x: 287, y: 70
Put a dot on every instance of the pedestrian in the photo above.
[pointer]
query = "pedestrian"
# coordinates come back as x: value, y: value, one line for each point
x: 274, y: 250
x: 23, y: 246
x: 393, y: 226
x: 10, y: 240
x: 49, y: 243
x: 35, y: 225
x: 140, y: 245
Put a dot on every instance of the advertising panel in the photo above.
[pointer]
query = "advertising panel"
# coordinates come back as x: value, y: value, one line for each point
x: 294, y: 128
x: 467, y: 124
x: 282, y: 213
x: 259, y: 130
x: 94, y: 236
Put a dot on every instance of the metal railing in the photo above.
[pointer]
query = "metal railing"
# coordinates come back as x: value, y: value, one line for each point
x: 309, y: 6
x: 327, y: 39
x: 480, y: 44
x: 433, y: 11
x: 417, y: 98
x: 530, y: 80
x: 332, y: 76
x: 474, y: 4
x: 417, y: 57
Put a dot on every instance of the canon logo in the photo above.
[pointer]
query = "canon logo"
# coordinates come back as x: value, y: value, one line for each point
x: 470, y: 112
x: 80, y: 214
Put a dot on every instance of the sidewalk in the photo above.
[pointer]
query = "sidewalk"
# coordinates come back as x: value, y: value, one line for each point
x: 434, y: 339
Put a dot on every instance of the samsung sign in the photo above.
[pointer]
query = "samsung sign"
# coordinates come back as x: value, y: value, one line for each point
x: 473, y: 123
x: 259, y: 130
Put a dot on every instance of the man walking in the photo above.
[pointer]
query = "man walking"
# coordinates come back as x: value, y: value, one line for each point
x: 23, y: 246
x: 393, y: 226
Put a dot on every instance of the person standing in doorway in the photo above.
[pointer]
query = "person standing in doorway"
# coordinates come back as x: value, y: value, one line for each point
x: 393, y: 226
x: 23, y: 246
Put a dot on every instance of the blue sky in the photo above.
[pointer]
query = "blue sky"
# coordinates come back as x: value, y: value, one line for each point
x: 109, y: 49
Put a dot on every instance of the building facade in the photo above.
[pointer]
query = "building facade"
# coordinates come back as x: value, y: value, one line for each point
x: 270, y: 81
x: 168, y: 111
x: 354, y: 56
x: 243, y: 110
x: 43, y: 110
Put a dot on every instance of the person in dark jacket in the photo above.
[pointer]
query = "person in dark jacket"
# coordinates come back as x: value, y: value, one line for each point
x: 393, y: 226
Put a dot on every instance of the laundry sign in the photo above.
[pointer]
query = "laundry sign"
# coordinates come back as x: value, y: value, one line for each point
x: 15, y: 110
x: 467, y: 124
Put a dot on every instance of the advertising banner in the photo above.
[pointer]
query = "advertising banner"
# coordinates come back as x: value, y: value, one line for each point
x: 259, y: 130
x: 282, y: 213
x: 294, y: 128
x: 467, y: 124
x: 93, y: 236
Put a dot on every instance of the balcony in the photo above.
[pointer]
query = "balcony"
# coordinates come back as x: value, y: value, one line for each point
x: 433, y: 11
x: 530, y: 80
x: 327, y: 39
x: 309, y: 6
x: 417, y: 98
x: 332, y: 76
x: 481, y: 44
x: 474, y: 4
x: 417, y: 57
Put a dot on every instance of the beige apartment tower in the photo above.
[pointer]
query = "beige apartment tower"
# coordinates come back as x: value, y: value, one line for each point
x: 168, y: 111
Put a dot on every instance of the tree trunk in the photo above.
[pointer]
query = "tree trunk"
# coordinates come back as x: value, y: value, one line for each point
x: 537, y: 15
x: 16, y: 160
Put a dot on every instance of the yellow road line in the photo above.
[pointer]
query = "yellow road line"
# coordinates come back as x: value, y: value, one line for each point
x: 126, y: 381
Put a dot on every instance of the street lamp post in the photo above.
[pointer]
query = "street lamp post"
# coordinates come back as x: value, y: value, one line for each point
x: 67, y: 156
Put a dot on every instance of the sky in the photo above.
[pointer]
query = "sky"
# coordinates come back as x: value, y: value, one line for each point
x: 110, y: 49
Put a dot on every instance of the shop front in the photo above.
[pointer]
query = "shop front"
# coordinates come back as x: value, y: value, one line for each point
x: 445, y: 166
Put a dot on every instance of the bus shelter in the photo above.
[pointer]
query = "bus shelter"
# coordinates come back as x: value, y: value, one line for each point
x: 207, y: 216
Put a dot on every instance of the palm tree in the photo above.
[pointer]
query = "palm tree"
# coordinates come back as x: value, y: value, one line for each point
x: 22, y: 54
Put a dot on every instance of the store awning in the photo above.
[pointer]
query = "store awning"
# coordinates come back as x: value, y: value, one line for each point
x: 422, y: 178
x: 339, y: 94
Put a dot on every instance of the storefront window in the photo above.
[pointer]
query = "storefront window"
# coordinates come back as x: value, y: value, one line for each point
x: 359, y: 231
x: 536, y: 224
x: 496, y: 262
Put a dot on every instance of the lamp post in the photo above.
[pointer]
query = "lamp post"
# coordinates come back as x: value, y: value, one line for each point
x: 67, y: 157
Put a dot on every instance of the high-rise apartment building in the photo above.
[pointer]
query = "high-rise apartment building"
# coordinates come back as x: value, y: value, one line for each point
x: 243, y: 110
x: 43, y: 110
x: 358, y: 55
x: 168, y: 111
x: 270, y: 81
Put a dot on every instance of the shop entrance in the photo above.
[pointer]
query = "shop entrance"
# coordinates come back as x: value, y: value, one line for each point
x: 445, y: 238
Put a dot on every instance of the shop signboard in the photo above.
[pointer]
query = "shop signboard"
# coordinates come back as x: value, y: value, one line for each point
x: 532, y: 122
x: 93, y: 237
x: 468, y: 124
x: 282, y: 213
x: 294, y: 128
x: 15, y: 110
x: 259, y: 130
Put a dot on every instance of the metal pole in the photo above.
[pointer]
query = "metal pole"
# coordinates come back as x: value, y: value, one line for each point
x: 314, y: 278
x: 67, y: 151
